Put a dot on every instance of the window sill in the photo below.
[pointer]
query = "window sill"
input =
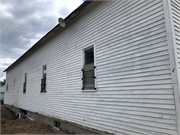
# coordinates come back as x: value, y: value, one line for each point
x: 43, y: 91
x: 56, y: 128
x: 89, y: 90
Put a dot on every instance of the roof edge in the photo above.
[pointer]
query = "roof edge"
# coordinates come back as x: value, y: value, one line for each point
x: 40, y: 42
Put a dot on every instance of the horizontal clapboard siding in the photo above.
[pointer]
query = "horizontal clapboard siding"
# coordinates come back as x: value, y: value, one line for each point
x: 134, y: 88
x: 14, y: 81
x: 175, y: 8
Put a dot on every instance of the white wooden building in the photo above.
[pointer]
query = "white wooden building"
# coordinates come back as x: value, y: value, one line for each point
x: 2, y: 90
x: 135, y: 66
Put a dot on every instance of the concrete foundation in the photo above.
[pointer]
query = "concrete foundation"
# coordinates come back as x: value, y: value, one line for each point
x: 64, y: 125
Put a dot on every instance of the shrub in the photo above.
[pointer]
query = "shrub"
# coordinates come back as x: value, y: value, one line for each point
x: 2, y: 101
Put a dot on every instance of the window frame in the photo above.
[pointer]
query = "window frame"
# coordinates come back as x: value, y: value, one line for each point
x: 25, y: 83
x: 82, y: 67
x: 44, y: 91
x: 57, y: 125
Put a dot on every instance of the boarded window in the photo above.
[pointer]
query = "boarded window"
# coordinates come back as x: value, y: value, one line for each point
x: 88, y: 70
x: 25, y: 81
x: 43, y: 80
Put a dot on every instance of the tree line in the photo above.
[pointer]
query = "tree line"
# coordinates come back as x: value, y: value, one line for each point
x: 2, y: 83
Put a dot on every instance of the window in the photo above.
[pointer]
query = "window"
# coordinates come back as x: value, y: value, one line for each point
x: 24, y: 112
x: 14, y: 83
x: 43, y: 80
x: 89, y: 56
x: 57, y: 124
x: 25, y: 81
x: 88, y: 72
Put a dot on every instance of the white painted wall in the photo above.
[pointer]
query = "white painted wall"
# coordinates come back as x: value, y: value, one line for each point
x: 175, y: 9
x: 173, y: 40
x: 175, y: 5
x: 2, y: 90
x: 134, y: 85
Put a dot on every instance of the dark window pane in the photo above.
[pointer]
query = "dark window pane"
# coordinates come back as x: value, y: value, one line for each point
x: 89, y: 56
x: 44, y: 71
x: 43, y: 80
x: 43, y: 84
x: 24, y: 85
x: 57, y: 124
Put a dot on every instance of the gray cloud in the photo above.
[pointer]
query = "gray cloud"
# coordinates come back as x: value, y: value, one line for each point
x: 24, y: 22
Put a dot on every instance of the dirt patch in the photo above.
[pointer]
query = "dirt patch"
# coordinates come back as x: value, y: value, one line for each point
x: 7, y: 114
x: 11, y: 125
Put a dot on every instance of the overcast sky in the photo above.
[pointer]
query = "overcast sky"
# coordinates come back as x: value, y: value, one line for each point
x: 24, y: 22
